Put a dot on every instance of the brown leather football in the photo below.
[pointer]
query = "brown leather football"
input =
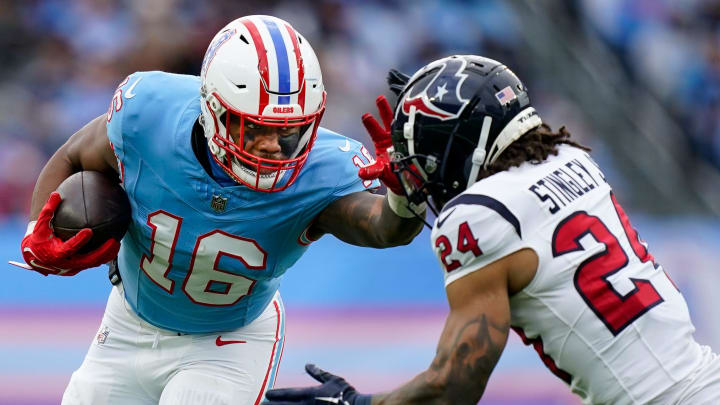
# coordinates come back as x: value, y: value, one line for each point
x: 92, y: 200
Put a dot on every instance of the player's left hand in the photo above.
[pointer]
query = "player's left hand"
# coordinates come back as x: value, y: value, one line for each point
x: 47, y: 254
x: 382, y: 140
x: 334, y: 390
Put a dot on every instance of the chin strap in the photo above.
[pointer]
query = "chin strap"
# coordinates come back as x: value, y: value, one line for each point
x: 479, y: 154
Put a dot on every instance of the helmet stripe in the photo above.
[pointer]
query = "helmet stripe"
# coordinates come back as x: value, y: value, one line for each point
x: 300, y: 67
x: 282, y: 60
x: 262, y: 63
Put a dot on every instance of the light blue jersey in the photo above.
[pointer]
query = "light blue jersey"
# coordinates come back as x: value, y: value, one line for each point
x: 199, y: 257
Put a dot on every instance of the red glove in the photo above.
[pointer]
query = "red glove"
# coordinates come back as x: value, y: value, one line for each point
x: 382, y: 140
x: 47, y: 254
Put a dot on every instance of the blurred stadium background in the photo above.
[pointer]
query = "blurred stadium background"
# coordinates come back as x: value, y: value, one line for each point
x: 638, y: 80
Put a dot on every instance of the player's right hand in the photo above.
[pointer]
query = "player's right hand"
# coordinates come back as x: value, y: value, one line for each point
x: 382, y: 140
x: 47, y: 254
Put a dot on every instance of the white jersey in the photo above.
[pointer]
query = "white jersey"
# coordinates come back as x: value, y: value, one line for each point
x: 601, y: 313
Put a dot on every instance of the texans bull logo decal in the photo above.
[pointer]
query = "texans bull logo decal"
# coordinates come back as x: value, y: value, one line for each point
x: 440, y: 98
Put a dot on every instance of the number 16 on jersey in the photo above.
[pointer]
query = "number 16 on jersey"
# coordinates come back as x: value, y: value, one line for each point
x: 205, y: 283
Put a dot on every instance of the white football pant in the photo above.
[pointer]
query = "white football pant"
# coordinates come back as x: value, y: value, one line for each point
x: 131, y: 362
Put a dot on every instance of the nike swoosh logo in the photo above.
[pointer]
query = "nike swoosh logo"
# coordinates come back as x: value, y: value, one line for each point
x: 129, y: 93
x: 221, y: 342
x: 52, y: 270
x: 346, y: 147
x: 442, y: 221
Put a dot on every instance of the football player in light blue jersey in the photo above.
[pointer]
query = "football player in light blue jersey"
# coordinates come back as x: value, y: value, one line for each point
x: 230, y: 178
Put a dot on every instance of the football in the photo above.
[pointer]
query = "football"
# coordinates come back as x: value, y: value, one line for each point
x: 92, y: 200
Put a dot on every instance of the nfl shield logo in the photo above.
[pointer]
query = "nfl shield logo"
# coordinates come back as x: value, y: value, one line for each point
x: 218, y: 203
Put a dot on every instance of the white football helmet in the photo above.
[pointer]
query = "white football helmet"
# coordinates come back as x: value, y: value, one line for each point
x: 260, y: 74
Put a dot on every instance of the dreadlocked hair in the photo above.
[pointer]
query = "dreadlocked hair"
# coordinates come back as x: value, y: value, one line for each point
x: 535, y: 146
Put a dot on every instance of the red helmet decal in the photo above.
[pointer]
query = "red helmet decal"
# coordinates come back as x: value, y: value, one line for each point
x: 424, y: 107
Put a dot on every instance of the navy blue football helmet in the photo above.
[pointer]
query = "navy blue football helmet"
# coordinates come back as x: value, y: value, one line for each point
x: 454, y: 117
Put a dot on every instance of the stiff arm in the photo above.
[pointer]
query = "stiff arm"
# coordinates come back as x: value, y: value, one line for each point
x: 365, y: 219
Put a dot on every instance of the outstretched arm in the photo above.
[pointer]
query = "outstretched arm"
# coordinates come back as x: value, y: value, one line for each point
x: 365, y: 219
x: 475, y: 335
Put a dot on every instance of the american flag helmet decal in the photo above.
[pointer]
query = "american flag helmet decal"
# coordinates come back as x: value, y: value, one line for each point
x: 506, y: 95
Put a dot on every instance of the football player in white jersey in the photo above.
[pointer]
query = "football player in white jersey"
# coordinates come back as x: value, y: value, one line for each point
x: 530, y: 237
